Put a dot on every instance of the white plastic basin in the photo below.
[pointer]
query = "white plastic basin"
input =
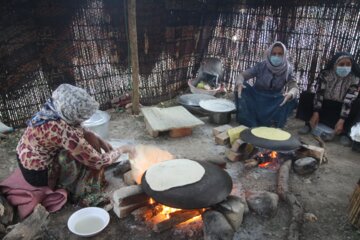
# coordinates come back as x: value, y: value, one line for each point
x: 88, y: 221
x: 98, y: 123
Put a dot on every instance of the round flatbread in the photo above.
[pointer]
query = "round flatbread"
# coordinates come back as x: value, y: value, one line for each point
x: 270, y: 133
x: 173, y: 173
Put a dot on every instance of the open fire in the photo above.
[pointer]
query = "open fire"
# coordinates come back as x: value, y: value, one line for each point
x: 268, y: 160
x: 159, y: 217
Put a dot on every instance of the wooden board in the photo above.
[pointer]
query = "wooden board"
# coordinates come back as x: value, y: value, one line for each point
x: 164, y: 119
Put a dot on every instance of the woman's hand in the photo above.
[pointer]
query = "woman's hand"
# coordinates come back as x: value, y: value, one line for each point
x: 287, y: 97
x: 314, y: 120
x: 239, y: 85
x: 339, y: 127
x: 96, y: 142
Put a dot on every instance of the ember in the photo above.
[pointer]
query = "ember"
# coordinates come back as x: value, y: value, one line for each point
x: 269, y: 160
x: 166, y: 217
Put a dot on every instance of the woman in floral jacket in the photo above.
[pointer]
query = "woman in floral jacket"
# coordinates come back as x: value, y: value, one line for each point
x: 56, y: 151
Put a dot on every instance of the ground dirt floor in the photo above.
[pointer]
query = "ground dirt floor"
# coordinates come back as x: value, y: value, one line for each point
x: 325, y: 193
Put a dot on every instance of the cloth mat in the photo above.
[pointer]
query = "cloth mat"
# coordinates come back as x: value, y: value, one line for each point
x: 25, y: 196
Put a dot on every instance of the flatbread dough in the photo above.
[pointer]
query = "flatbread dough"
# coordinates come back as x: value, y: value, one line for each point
x: 270, y: 133
x: 173, y: 173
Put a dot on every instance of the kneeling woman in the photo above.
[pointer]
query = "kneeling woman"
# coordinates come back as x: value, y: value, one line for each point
x: 335, y: 103
x: 56, y: 151
x: 272, y: 98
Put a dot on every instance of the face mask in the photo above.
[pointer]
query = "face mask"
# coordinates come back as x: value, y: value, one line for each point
x: 276, y: 60
x: 343, y: 71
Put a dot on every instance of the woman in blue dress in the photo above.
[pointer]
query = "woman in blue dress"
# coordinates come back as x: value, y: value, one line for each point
x: 273, y: 96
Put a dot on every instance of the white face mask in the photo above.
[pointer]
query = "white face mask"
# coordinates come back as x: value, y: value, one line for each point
x: 342, y: 71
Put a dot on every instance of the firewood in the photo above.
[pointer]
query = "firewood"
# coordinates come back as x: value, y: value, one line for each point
x: 143, y: 214
x: 311, y: 151
x: 283, y: 180
x: 322, y: 144
x: 297, y: 211
x: 354, y: 207
x: 32, y: 227
x: 122, y: 168
x: 175, y: 219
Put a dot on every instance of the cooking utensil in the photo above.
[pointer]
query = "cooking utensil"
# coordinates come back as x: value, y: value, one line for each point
x: 219, y: 110
x: 193, y: 99
x: 287, y: 145
x: 214, y: 187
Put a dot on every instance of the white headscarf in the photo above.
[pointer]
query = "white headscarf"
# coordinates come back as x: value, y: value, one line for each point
x: 74, y: 105
x: 282, y: 68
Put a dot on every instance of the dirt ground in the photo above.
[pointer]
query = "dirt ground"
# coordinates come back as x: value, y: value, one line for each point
x: 324, y: 193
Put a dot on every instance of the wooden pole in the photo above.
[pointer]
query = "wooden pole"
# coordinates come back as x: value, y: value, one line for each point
x: 133, y: 55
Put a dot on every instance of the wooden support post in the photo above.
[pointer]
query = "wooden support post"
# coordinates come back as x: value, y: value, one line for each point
x: 133, y: 55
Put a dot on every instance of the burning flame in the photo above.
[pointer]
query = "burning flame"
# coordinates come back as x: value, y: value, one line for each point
x: 165, y: 212
x: 191, y: 220
x: 263, y: 165
x: 272, y: 155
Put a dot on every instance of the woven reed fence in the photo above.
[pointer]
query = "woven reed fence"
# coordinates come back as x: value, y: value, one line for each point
x: 44, y: 43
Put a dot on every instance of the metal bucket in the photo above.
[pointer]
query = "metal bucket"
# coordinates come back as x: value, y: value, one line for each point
x: 220, y: 117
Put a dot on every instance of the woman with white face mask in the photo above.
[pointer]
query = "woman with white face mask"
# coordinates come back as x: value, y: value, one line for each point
x: 273, y: 95
x: 335, y: 102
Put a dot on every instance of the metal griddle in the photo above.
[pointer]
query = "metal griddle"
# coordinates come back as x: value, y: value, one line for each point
x: 214, y: 187
x: 290, y: 144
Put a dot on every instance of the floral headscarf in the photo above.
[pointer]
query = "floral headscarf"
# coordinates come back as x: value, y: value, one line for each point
x: 72, y: 104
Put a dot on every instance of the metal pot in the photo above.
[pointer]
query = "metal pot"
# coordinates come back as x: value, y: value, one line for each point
x: 220, y: 117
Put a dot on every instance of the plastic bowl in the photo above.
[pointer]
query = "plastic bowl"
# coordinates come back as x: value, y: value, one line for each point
x: 98, y: 123
x: 88, y: 221
x: 194, y: 89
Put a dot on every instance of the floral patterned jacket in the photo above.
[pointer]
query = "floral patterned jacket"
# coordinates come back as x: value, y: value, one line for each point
x: 40, y: 145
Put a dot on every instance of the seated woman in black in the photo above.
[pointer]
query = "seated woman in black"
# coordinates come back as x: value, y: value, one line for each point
x: 335, y: 102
